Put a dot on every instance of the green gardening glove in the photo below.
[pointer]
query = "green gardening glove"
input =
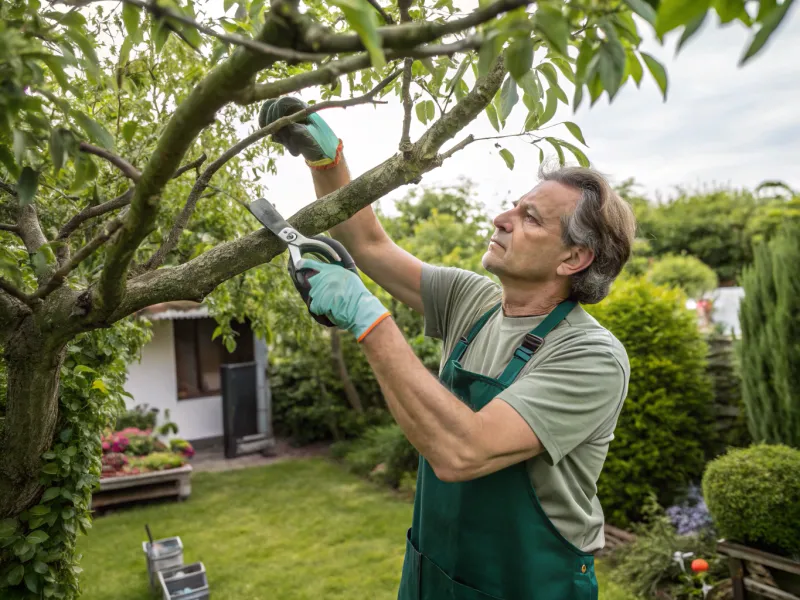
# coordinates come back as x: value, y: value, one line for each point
x: 340, y: 295
x: 311, y: 136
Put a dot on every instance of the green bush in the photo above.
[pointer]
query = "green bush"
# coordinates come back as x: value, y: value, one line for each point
x: 647, y: 566
x: 753, y: 496
x: 665, y: 430
x: 139, y: 417
x: 686, y: 272
x: 726, y: 381
x: 769, y: 352
x: 158, y: 461
x: 385, y: 447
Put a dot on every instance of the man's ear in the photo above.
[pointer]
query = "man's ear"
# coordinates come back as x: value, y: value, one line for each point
x: 578, y: 259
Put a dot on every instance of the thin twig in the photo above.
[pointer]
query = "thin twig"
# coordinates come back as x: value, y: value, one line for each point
x: 405, y: 137
x: 95, y: 211
x: 260, y: 47
x: 386, y: 17
x: 470, y: 138
x: 459, y: 146
x: 58, y: 277
x: 11, y: 290
x: 202, y: 181
x: 127, y: 169
x: 195, y: 164
x: 8, y: 189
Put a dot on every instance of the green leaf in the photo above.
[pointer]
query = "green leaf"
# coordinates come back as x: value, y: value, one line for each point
x: 364, y: 21
x: 491, y: 112
x: 519, y: 57
x: 611, y: 63
x: 553, y: 27
x: 51, y: 493
x: 541, y: 155
x: 771, y: 23
x: 98, y: 384
x: 488, y: 52
x: 43, y: 259
x: 159, y: 32
x: 575, y: 131
x: 728, y: 10
x: 508, y: 98
x: 7, y: 528
x: 508, y: 157
x: 72, y: 450
x: 565, y: 67
x: 40, y: 509
x: 94, y: 130
x: 32, y: 581
x: 26, y: 186
x: 459, y: 74
x: 691, y: 28
x: 555, y: 144
x: 34, y: 522
x: 531, y: 121
x: 549, y: 72
x: 430, y: 109
x: 643, y: 9
x: 422, y: 115
x: 67, y: 513
x: 93, y: 63
x: 657, y: 71
x: 633, y: 67
x: 65, y: 435
x: 7, y: 160
x: 37, y: 537
x: 40, y: 567
x: 550, y: 107
x: 130, y: 16
x: 582, y: 159
x: 57, y: 149
x: 57, y: 69
x: 125, y: 50
x: 585, y: 54
x: 764, y: 8
x: 15, y: 575
x: 50, y: 469
x: 674, y: 13
x: 530, y: 86
x: 20, y: 145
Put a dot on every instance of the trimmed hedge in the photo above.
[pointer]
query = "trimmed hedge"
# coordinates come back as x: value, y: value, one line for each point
x: 665, y: 432
x: 753, y: 495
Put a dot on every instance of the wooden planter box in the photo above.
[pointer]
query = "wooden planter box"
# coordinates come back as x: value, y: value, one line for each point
x: 144, y: 486
x: 759, y: 574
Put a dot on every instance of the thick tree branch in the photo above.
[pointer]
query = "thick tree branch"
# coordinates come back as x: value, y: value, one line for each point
x: 11, y: 228
x: 8, y: 189
x: 407, y: 35
x: 127, y: 169
x: 329, y: 73
x: 196, y: 112
x: 60, y: 275
x: 29, y: 228
x: 202, y: 182
x: 198, y: 277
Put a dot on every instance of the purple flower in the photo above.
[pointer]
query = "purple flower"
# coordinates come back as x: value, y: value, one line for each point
x: 691, y: 515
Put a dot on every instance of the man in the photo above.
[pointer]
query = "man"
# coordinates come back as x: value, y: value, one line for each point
x: 514, y: 433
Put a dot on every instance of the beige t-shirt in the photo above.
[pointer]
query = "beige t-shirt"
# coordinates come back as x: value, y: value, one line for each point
x: 570, y: 393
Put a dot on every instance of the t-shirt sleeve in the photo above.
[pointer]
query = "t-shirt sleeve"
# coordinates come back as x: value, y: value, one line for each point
x: 569, y: 398
x: 445, y: 290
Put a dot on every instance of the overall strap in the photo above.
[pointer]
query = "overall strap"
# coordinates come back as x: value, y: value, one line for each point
x: 465, y: 341
x: 533, y: 341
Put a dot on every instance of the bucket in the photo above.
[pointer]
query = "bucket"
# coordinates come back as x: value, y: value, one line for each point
x: 165, y: 553
x: 184, y: 582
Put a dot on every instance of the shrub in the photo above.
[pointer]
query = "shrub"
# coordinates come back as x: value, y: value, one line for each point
x: 158, y: 461
x: 686, y: 272
x: 139, y: 417
x: 139, y: 442
x: 753, y: 495
x: 658, y: 563
x: 182, y: 447
x: 769, y: 352
x: 665, y: 429
x: 723, y: 368
x: 691, y: 515
x: 384, y: 448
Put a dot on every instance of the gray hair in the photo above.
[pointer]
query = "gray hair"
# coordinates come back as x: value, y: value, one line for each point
x: 602, y: 222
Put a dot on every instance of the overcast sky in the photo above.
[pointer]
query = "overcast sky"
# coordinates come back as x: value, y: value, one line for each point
x: 721, y: 124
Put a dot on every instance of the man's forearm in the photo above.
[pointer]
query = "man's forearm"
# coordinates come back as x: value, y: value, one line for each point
x: 436, y: 422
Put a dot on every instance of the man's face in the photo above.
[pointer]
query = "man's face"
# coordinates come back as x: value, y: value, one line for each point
x: 526, y: 245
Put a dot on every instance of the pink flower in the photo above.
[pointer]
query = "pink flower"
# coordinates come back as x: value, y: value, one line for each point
x: 106, y: 446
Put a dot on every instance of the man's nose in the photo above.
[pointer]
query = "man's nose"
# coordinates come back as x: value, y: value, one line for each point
x: 502, y: 221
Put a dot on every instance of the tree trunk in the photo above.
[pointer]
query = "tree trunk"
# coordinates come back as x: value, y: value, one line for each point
x: 338, y: 362
x: 33, y: 365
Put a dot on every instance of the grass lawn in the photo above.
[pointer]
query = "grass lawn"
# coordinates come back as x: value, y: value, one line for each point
x: 303, y: 529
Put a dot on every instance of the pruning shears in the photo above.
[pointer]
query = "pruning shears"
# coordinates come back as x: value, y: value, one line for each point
x: 322, y: 247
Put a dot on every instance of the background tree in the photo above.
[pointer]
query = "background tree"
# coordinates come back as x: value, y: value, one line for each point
x: 117, y: 118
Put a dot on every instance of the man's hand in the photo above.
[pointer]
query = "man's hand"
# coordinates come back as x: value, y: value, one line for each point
x: 311, y: 136
x: 340, y: 295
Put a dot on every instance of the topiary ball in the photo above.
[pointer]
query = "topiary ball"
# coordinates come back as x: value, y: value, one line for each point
x: 753, y: 496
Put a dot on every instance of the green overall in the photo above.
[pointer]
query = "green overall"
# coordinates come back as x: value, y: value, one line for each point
x: 489, y: 537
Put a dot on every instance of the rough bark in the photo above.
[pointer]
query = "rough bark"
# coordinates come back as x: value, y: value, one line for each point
x: 340, y: 365
x: 33, y: 364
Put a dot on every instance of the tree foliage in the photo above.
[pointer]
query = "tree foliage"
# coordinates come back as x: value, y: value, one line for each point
x: 123, y: 178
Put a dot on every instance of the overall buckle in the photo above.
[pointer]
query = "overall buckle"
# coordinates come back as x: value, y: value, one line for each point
x: 532, y: 342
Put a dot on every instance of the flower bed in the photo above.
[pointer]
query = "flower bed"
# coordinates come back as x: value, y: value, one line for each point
x: 134, y: 451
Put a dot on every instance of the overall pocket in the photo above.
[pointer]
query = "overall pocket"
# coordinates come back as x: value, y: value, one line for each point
x: 437, y: 585
x: 410, y: 579
x: 586, y: 585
